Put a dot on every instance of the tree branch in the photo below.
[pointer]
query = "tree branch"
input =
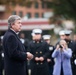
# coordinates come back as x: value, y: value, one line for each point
x: 72, y: 4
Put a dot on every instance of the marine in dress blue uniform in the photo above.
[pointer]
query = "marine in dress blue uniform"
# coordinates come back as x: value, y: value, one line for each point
x: 50, y: 60
x: 72, y: 45
x: 40, y: 50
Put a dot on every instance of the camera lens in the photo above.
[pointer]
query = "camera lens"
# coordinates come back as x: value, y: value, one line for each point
x: 61, y: 46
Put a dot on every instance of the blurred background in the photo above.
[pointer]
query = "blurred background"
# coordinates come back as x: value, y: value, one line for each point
x: 49, y: 15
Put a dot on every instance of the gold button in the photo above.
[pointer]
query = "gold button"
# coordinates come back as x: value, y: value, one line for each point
x: 37, y: 63
x: 41, y: 63
x: 40, y: 52
x: 74, y: 55
x: 37, y: 41
x: 36, y: 52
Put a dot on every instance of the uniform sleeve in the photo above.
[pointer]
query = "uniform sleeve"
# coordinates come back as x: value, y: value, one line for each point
x: 13, y: 51
x: 29, y: 50
x: 51, y: 48
x: 47, y: 52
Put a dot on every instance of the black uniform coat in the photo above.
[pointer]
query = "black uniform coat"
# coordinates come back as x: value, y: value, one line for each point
x: 15, y: 55
x: 51, y: 63
x: 72, y: 45
x: 39, y: 49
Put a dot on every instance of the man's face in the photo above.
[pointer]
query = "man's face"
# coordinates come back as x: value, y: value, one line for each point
x: 74, y: 37
x: 48, y: 41
x: 17, y: 26
x: 62, y: 37
x: 67, y: 37
x: 37, y: 36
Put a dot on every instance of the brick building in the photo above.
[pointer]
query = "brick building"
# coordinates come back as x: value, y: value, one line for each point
x: 34, y: 10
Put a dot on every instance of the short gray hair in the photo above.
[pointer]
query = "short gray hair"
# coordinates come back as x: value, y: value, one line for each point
x: 12, y: 19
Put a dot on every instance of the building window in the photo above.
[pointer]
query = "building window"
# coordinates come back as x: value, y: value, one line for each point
x: 20, y: 13
x: 42, y: 15
x: 36, y: 5
x: 29, y: 15
x: 36, y: 15
x: 13, y: 12
x: 28, y: 6
x: 43, y: 5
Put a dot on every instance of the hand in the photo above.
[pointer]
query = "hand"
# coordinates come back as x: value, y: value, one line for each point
x: 29, y: 55
x: 48, y: 60
x: 36, y: 59
x: 75, y: 61
x: 63, y: 47
x: 57, y: 47
x: 41, y: 59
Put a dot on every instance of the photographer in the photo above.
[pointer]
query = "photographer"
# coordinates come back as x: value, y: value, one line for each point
x: 62, y: 55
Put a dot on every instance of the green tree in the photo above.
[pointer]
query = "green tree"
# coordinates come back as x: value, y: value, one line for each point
x: 63, y: 9
x: 14, y: 2
x: 66, y: 9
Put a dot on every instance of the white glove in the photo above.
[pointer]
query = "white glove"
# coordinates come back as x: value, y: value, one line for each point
x: 75, y: 61
x: 2, y: 54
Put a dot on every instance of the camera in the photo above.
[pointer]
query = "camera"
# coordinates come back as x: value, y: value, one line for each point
x: 60, y: 46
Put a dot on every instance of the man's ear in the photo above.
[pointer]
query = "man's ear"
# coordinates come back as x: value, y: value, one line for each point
x: 12, y: 25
